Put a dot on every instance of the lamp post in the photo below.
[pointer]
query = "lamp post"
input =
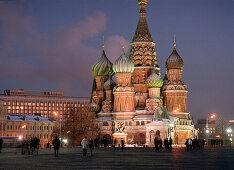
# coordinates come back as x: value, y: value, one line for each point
x: 60, y: 124
x: 207, y: 125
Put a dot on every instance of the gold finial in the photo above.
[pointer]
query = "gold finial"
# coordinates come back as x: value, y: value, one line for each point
x: 103, y: 46
x: 142, y: 2
x: 123, y: 45
x: 174, y: 41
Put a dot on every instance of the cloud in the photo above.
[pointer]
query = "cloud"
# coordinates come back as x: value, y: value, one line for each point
x: 63, y: 57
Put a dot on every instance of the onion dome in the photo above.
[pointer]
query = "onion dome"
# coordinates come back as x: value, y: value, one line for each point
x: 93, y: 107
x: 174, y: 61
x: 103, y: 67
x: 154, y: 81
x: 109, y: 84
x: 142, y: 2
x: 123, y: 64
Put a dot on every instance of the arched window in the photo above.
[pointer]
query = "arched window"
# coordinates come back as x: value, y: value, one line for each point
x: 105, y: 124
x: 126, y: 123
x: 130, y: 123
x: 142, y: 123
x: 137, y: 123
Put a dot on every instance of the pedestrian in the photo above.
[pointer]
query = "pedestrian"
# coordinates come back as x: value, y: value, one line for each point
x: 1, y: 143
x: 156, y: 144
x: 190, y: 144
x: 186, y: 144
x: 160, y: 144
x: 91, y: 146
x: 122, y: 144
x: 115, y: 141
x: 36, y: 144
x: 170, y: 143
x: 56, y: 144
x: 166, y: 144
x: 85, y: 143
x: 48, y: 145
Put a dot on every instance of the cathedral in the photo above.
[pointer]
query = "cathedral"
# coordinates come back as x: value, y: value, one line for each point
x: 141, y: 105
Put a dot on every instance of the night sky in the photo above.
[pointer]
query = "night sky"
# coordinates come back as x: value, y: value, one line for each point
x: 52, y: 45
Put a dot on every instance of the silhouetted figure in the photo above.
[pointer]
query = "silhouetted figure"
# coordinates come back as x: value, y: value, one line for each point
x: 160, y: 144
x: 187, y: 145
x: 122, y: 144
x: 56, y: 144
x: 91, y: 146
x: 170, y: 143
x: 115, y: 141
x: 1, y: 143
x: 85, y: 143
x: 156, y: 144
x: 48, y: 145
x: 166, y: 144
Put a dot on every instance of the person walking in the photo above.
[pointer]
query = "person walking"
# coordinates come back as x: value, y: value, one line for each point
x: 115, y: 141
x: 91, y: 146
x: 85, y: 143
x: 190, y: 143
x: 56, y: 144
x: 122, y: 144
x: 160, y: 144
x: 170, y: 143
x: 156, y: 144
x: 1, y: 143
x: 166, y: 144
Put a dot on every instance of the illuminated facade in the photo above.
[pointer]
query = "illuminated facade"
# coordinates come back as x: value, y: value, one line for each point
x: 27, y: 127
x: 21, y: 102
x: 140, y: 105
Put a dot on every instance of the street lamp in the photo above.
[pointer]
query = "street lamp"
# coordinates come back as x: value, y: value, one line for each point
x: 60, y: 124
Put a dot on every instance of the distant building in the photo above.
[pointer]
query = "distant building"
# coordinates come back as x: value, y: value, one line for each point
x: 202, y: 131
x: 22, y: 102
x: 27, y: 126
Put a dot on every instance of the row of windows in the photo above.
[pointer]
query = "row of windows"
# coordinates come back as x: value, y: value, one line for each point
x: 28, y: 136
x: 13, y: 103
x: 138, y: 123
x: 25, y: 127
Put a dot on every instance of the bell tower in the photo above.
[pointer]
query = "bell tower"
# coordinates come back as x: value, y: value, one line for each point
x: 143, y: 55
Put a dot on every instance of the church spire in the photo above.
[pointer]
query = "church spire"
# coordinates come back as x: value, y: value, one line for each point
x: 142, y: 32
x: 174, y: 42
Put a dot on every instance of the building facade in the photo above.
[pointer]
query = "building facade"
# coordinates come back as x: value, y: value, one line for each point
x: 141, y: 105
x: 25, y: 127
x: 45, y: 104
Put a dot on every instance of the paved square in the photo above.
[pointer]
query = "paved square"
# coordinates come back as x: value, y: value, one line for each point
x: 131, y: 158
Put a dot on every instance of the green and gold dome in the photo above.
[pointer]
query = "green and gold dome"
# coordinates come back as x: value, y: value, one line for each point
x: 154, y: 81
x: 103, y: 67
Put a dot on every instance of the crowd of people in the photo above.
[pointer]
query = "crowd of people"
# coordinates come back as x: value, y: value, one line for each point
x: 194, y: 144
x: 31, y: 146
x: 158, y: 144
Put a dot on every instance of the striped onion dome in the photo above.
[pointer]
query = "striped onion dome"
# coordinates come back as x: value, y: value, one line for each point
x: 103, y: 67
x: 93, y: 107
x: 174, y: 61
x: 123, y: 64
x: 109, y: 84
x: 154, y: 81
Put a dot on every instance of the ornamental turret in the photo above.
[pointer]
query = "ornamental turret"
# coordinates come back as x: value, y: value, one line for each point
x: 154, y: 84
x: 143, y: 55
x: 101, y: 71
x: 174, y: 90
x: 124, y: 95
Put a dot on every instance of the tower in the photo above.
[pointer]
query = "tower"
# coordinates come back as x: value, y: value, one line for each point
x: 101, y: 71
x: 174, y: 90
x: 143, y: 55
x: 124, y: 95
x: 154, y: 84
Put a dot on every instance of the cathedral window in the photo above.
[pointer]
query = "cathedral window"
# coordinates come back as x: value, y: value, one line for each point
x: 142, y: 123
x: 105, y: 124
x: 137, y: 123
x: 130, y: 123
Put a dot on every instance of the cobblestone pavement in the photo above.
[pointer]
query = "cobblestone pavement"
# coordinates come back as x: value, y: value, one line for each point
x: 131, y: 158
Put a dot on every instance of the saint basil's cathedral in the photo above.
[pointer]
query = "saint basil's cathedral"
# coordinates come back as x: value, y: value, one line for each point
x: 141, y: 105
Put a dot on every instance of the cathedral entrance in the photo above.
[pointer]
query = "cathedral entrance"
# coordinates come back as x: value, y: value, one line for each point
x: 139, y: 139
